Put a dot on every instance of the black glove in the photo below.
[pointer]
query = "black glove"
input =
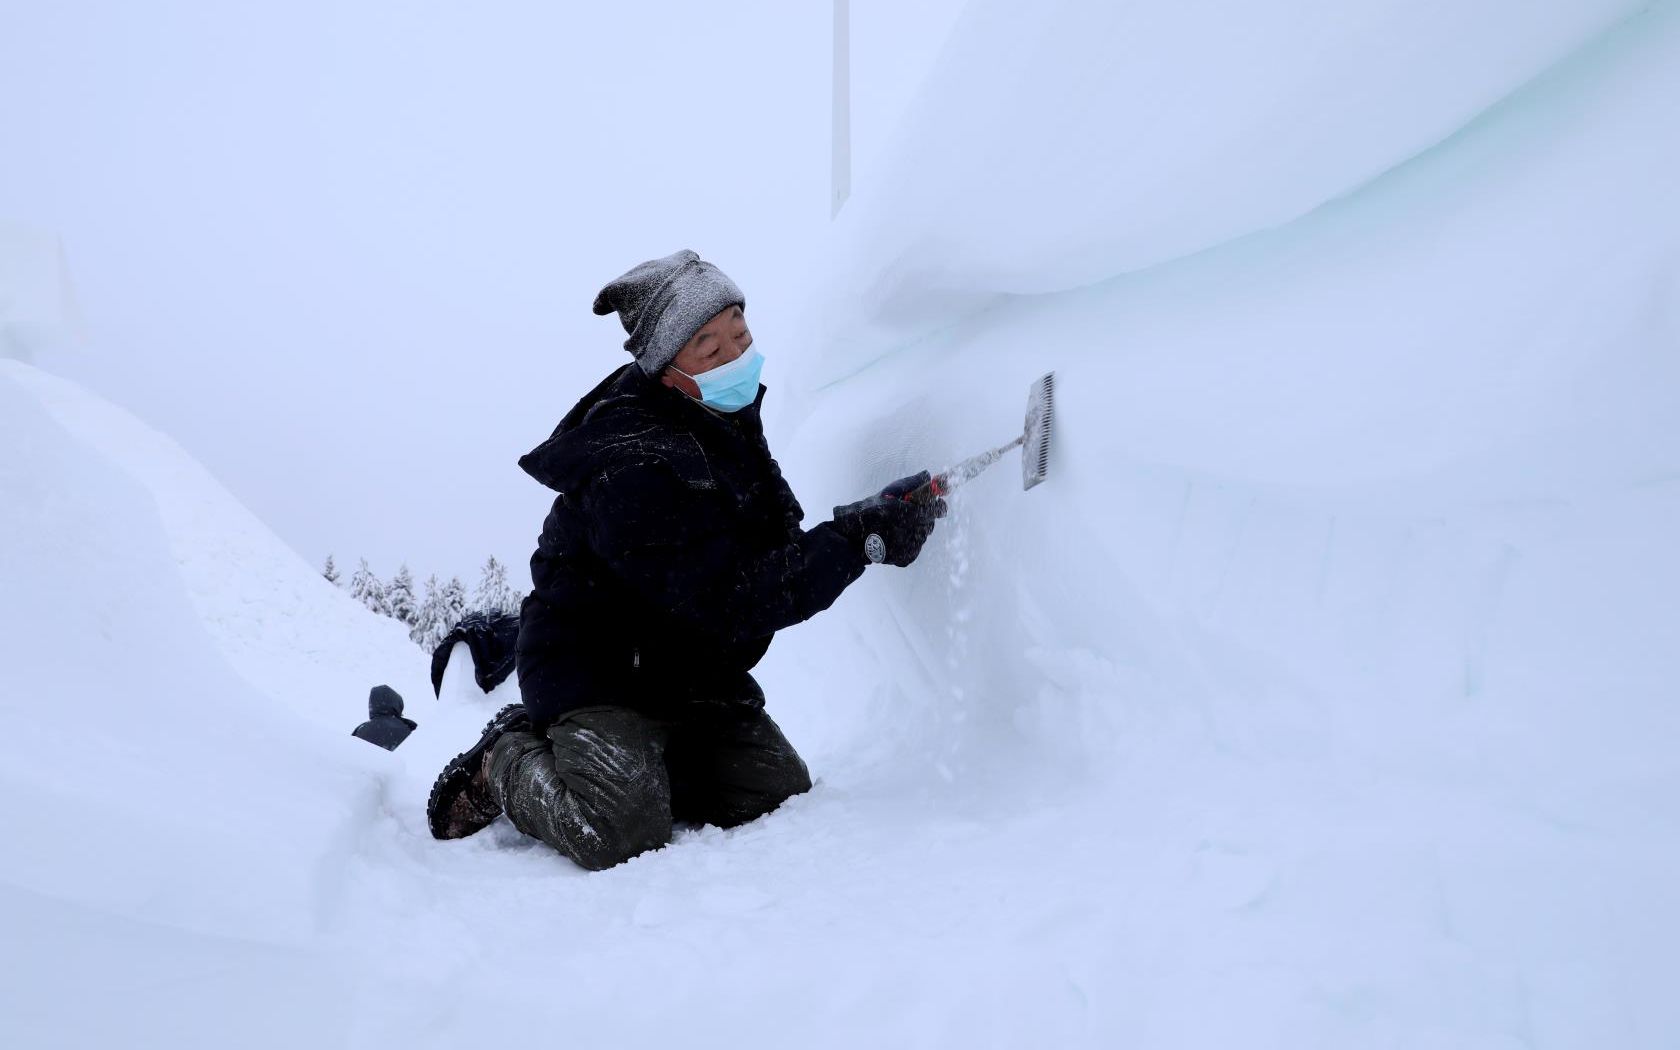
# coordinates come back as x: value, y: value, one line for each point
x: 887, y: 527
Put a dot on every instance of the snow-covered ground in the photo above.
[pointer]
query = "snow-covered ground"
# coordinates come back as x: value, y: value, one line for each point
x: 1324, y: 697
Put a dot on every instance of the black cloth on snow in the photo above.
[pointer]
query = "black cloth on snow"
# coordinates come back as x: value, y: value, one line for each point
x: 385, y: 727
x: 672, y: 555
x: 606, y: 783
x: 490, y: 638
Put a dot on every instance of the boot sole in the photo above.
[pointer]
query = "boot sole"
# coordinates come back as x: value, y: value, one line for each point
x: 457, y: 776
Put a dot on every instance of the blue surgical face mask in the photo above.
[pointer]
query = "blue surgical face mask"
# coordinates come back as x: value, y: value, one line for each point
x: 731, y: 386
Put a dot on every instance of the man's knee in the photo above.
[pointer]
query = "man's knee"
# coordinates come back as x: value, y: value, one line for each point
x: 594, y: 789
x: 795, y: 779
x: 601, y: 823
x: 608, y: 841
x: 620, y: 792
x: 783, y: 773
x: 768, y: 789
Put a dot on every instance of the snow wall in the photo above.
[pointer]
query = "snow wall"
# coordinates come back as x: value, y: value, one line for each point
x: 1353, y: 586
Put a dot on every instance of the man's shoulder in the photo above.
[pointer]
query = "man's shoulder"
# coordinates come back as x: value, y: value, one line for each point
x: 624, y: 426
x: 671, y: 455
x: 630, y: 439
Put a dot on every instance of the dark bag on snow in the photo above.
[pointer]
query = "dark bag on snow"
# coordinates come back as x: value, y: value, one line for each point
x: 491, y: 638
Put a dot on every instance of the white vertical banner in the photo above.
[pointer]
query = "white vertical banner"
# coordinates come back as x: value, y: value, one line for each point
x: 37, y: 303
x: 841, y: 147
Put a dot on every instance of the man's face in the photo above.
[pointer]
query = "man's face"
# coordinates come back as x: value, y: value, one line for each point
x: 717, y: 342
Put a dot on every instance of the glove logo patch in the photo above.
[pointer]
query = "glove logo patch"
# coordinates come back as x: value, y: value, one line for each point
x: 875, y: 548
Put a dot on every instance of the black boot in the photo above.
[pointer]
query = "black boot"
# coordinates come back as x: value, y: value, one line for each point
x: 460, y: 803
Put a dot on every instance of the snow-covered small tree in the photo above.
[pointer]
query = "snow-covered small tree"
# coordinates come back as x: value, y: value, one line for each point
x: 330, y: 571
x: 399, y: 597
x: 493, y: 594
x: 366, y: 588
x: 452, y: 605
x: 425, y: 631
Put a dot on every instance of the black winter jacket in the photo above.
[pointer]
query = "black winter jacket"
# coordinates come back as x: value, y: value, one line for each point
x: 671, y: 556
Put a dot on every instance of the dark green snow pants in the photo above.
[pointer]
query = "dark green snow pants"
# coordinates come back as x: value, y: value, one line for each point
x: 606, y: 783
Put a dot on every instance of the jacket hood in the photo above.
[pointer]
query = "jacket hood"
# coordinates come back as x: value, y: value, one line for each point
x: 625, y: 402
x: 383, y: 700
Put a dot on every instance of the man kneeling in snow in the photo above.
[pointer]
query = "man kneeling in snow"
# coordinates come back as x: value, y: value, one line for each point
x: 671, y: 557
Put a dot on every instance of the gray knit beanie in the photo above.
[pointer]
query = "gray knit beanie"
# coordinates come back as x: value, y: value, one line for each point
x: 663, y: 302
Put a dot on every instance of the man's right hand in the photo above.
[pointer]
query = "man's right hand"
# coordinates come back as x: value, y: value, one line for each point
x: 901, y: 527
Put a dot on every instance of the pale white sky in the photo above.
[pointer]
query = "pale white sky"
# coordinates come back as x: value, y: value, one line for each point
x: 345, y: 253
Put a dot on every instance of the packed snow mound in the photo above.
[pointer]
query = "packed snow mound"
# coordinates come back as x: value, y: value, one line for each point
x: 283, y: 627
x: 168, y: 824
x: 178, y: 693
x: 1058, y: 144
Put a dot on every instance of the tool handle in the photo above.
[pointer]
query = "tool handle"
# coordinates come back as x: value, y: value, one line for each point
x: 927, y: 492
x: 944, y: 482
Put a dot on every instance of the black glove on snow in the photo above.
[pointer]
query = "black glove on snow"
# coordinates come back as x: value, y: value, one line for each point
x: 887, y: 527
